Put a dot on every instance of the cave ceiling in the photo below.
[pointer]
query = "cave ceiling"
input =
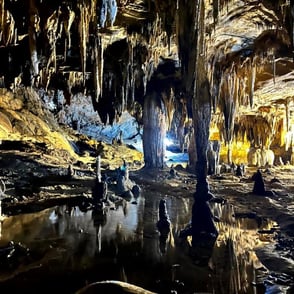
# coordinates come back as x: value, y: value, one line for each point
x: 119, y: 50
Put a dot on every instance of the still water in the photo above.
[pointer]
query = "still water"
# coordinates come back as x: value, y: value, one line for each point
x: 70, y: 248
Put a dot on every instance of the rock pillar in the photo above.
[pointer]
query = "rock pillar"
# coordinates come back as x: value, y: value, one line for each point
x: 154, y: 131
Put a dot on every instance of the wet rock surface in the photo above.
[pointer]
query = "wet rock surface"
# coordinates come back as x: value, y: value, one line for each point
x: 35, y: 183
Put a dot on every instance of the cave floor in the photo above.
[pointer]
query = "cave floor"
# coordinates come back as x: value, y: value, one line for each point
x: 262, y: 227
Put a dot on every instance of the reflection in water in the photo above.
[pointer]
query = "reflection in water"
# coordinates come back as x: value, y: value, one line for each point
x: 163, y: 226
x: 99, y: 217
x: 76, y: 248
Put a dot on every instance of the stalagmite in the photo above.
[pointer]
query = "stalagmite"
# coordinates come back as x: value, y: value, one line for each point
x: 154, y: 131
x: 201, y: 215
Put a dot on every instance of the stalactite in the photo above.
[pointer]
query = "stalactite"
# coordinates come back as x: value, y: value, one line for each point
x: 145, y: 76
x: 273, y: 123
x: 274, y: 69
x: 126, y: 86
x: 100, y: 62
x: 2, y: 19
x: 85, y: 17
x: 7, y: 27
x: 123, y: 96
x: 112, y: 11
x: 33, y: 29
x: 169, y: 103
x: 215, y: 81
x: 243, y: 93
x: 292, y: 18
x: 289, y: 138
x: 97, y: 85
x: 53, y: 30
x: 69, y: 17
x: 216, y: 10
x: 132, y: 42
x: 186, y: 41
x: 229, y: 104
x: 93, y: 12
x: 284, y: 8
x: 252, y: 77
x: 103, y: 13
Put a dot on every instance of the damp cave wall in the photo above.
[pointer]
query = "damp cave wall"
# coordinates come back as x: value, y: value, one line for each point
x: 115, y: 55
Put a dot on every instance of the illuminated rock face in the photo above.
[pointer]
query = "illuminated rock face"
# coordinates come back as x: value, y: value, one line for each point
x: 112, y: 50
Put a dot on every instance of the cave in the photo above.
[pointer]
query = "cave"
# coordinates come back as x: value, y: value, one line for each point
x: 90, y: 92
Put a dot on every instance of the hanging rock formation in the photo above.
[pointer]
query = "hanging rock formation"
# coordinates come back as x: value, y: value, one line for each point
x: 112, y: 50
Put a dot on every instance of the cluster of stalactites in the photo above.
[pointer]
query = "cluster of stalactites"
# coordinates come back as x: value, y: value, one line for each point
x: 229, y: 90
x: 260, y: 130
x: 235, y: 82
x: 8, y: 34
x: 157, y: 45
x: 92, y: 16
x: 231, y: 87
x: 218, y: 8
